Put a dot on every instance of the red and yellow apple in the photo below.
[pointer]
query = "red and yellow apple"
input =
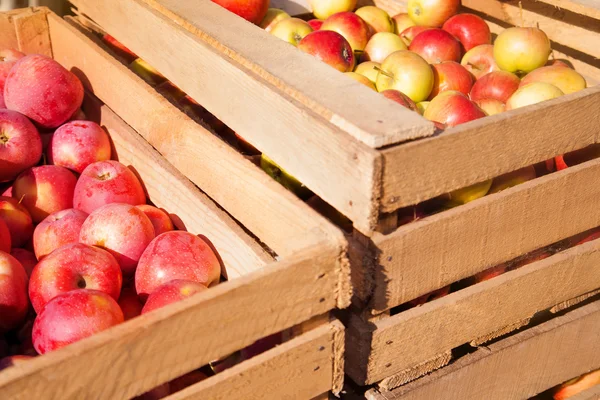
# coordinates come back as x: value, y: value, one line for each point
x: 491, y: 106
x: 480, y: 60
x: 575, y: 386
x: 56, y: 230
x: 566, y: 79
x: 452, y: 108
x: 450, y: 75
x: 5, y: 240
x: 381, y: 45
x: 411, y: 32
x: 470, y: 29
x: 17, y: 219
x: 436, y: 45
x: 400, y: 98
x: 407, y: 72
x: 160, y: 219
x: 350, y: 26
x: 498, y: 85
x: 20, y: 144
x: 147, y: 72
x: 520, y: 49
x: 273, y: 16
x: 13, y: 292
x: 377, y: 19
x: 291, y: 30
x: 119, y: 48
x: 362, y: 79
x: 323, y: 9
x: 329, y: 47
x: 432, y: 13
x: 401, y: 22
x: 487, y: 274
x: 533, y: 93
x: 171, y: 292
x: 251, y: 10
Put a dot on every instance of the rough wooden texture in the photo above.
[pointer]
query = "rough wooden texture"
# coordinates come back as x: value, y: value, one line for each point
x: 402, y: 378
x: 590, y: 394
x: 431, y: 253
x: 170, y: 190
x: 500, y: 332
x: 470, y: 313
x: 572, y: 302
x: 299, y: 369
x: 588, y: 8
x: 518, y: 367
x: 26, y: 30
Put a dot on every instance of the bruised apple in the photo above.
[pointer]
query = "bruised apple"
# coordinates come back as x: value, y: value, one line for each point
x: 20, y: 144
x: 329, y: 47
x: 171, y: 292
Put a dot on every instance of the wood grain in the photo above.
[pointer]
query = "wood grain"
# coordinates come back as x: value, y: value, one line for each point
x: 32, y: 33
x: 518, y: 367
x: 588, y: 8
x: 299, y: 369
x: 477, y: 310
x: 426, y: 367
x: 590, y: 394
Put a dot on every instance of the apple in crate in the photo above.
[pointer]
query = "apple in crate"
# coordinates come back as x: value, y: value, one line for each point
x: 171, y: 292
x: 411, y: 32
x: 56, y: 230
x: 401, y: 22
x: 323, y: 9
x: 450, y: 75
x: 499, y: 85
x: 566, y: 79
x: 491, y: 106
x: 73, y: 316
x: 284, y: 177
x: 470, y: 29
x: 382, y: 45
x: 17, y: 219
x: 400, y: 98
x: 13, y: 292
x: 329, y: 47
x: 27, y: 91
x: 350, y: 26
x: 533, y: 93
x: 487, y: 274
x: 176, y: 255
x: 120, y: 49
x: 407, y: 72
x: 44, y: 190
x: 106, y: 182
x: 480, y: 60
x: 291, y: 30
x: 452, y: 108
x: 316, y: 24
x: 520, y: 49
x: 160, y: 219
x: 376, y: 18
x: 513, y: 178
x: 77, y: 144
x: 436, y: 46
x: 362, y: 79
x: 130, y: 302
x: 577, y: 385
x: 20, y: 144
x: 432, y: 13
x: 273, y: 16
x: 8, y: 58
x: 26, y: 258
x: 369, y: 69
x: 71, y: 267
x: 469, y: 193
x: 251, y: 10
x: 5, y: 240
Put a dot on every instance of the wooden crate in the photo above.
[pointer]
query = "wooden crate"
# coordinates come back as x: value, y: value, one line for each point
x: 287, y: 277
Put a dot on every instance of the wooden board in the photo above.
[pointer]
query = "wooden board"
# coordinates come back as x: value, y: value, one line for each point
x: 518, y: 367
x: 590, y: 394
x: 299, y: 369
x: 589, y: 8
x: 471, y: 313
x: 431, y: 253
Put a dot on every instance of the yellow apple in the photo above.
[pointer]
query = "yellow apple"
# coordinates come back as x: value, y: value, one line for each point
x: 422, y: 106
x: 520, y: 49
x: 323, y: 9
x: 566, y: 79
x: 381, y: 45
x: 147, y: 72
x: 532, y: 93
x: 377, y: 19
x: 362, y: 79
x: 491, y: 106
x: 470, y: 193
x: 274, y: 15
x: 432, y: 13
x: 401, y: 22
x: 292, y: 30
x: 368, y: 69
x: 513, y: 178
x: 407, y: 72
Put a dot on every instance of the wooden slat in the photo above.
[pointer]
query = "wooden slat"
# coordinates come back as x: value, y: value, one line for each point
x: 8, y: 39
x: 518, y: 367
x: 299, y: 369
x: 401, y: 378
x: 169, y: 189
x: 435, y: 251
x: 147, y: 351
x: 32, y: 34
x: 590, y: 394
x: 476, y: 311
x: 588, y: 8
x: 275, y: 216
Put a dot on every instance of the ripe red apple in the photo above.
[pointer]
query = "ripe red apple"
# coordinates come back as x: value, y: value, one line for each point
x: 122, y: 229
x: 5, y: 241
x: 315, y: 24
x: 432, y: 13
x: 533, y: 93
x: 566, y: 79
x: 26, y: 258
x: 350, y: 26
x: 147, y: 72
x: 519, y: 49
x: 362, y: 79
x: 470, y: 29
x: 329, y: 47
x: 381, y: 45
x: 411, y: 32
x: 77, y: 144
x: 106, y: 182
x: 450, y: 75
x: 575, y: 157
x: 13, y: 292
x: 452, y: 108
x: 487, y: 274
x: 130, y: 302
x: 400, y: 98
x: 575, y: 386
x: 160, y: 219
x: 513, y: 178
x: 480, y: 60
x: 401, y: 22
x: 251, y: 10
x: 407, y: 72
x: 43, y: 90
x: 20, y: 144
x: 291, y: 30
x: 491, y: 106
x: 73, y: 316
x: 436, y: 45
x: 176, y: 255
x: 273, y: 16
x: 171, y: 292
x: 376, y: 18
x: 17, y: 219
x: 71, y: 267
x: 8, y: 58
x: 56, y: 230
x: 323, y: 9
x: 120, y: 49
x: 369, y: 69
x: 499, y: 85
x: 44, y: 190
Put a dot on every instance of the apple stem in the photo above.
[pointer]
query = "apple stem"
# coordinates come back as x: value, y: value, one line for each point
x: 21, y: 199
x: 382, y: 71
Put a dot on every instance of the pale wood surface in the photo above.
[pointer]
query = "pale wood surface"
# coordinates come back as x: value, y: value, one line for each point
x: 299, y: 369
x: 518, y: 367
x: 470, y: 313
x: 392, y: 382
x: 590, y: 394
x: 589, y: 8
x: 431, y: 253
x: 32, y: 31
x: 572, y: 302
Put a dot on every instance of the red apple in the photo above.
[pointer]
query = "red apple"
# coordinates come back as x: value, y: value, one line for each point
x: 432, y: 13
x: 401, y: 22
x: 376, y: 18
x: 470, y: 29
x: 71, y: 267
x: 130, y: 303
x: 574, y: 157
x: 491, y: 106
x: 26, y: 258
x: 566, y: 79
x: 171, y: 292
x: 122, y: 229
x: 499, y: 85
x: 315, y: 24
x: 575, y: 386
x: 43, y: 90
x: 323, y: 9
x: 436, y: 45
x: 381, y: 45
x: 400, y: 98
x: 273, y: 16
x: 73, y: 316
x: 5, y: 241
x: 17, y: 220
x: 452, y: 108
x: 487, y: 274
x: 159, y: 218
x: 513, y: 178
x: 450, y: 75
x: 13, y: 292
x: 77, y: 144
x: 350, y: 26
x: 20, y: 144
x: 480, y: 60
x: 44, y: 190
x: 407, y: 72
x: 411, y: 32
x: 251, y: 10
x: 12, y: 361
x: 8, y: 58
x: 329, y: 47
x: 186, y: 380
x: 291, y: 30
x: 532, y: 93
x: 520, y: 49
x: 176, y: 255
x: 56, y: 230
x: 147, y: 72
x: 106, y: 182
x: 119, y: 48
